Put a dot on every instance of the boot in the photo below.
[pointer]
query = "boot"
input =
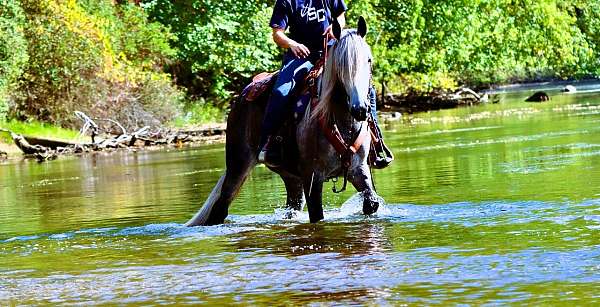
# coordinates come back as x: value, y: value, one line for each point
x: 380, y: 155
x: 270, y: 154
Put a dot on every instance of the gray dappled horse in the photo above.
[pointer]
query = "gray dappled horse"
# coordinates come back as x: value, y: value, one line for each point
x: 310, y: 158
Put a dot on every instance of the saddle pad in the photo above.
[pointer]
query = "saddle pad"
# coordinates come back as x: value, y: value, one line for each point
x: 260, y: 83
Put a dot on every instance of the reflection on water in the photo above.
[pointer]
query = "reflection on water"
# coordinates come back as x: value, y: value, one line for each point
x: 492, y: 204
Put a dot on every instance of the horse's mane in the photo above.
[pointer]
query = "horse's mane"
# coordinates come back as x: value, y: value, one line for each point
x: 343, y: 61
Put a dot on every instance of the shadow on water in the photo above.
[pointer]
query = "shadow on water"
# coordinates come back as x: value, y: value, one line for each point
x: 345, y: 239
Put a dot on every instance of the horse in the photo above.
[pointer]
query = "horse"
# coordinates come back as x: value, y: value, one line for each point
x: 311, y: 158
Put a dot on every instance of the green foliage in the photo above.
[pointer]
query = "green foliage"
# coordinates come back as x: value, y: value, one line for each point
x: 480, y: 42
x: 109, y: 60
x: 221, y: 43
x: 419, y: 45
x: 97, y: 57
x: 588, y: 21
x: 198, y: 113
x: 13, y: 50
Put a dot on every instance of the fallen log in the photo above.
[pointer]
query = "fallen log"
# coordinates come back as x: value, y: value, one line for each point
x: 417, y: 102
x: 25, y: 147
x: 40, y: 152
x: 49, y: 143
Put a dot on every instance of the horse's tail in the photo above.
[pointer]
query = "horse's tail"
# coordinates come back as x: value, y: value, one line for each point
x: 202, y: 216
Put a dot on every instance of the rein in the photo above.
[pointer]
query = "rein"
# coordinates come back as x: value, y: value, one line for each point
x: 332, y: 133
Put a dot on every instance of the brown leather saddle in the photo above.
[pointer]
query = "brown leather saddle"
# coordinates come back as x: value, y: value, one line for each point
x: 260, y: 83
x: 265, y: 81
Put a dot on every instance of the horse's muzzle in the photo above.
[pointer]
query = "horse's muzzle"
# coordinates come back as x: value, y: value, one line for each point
x: 359, y: 110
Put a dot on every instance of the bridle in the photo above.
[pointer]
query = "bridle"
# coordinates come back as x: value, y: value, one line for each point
x: 331, y: 131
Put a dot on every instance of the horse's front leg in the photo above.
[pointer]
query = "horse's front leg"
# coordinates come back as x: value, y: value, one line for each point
x: 295, y: 196
x: 313, y: 190
x: 360, y: 177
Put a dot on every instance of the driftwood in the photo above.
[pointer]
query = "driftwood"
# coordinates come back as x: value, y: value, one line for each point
x: 413, y: 102
x: 38, y: 151
x: 47, y: 149
x: 50, y: 143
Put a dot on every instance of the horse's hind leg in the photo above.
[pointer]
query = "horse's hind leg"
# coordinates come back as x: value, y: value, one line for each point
x: 216, y: 208
x: 234, y: 178
x: 295, y: 196
x: 242, y: 138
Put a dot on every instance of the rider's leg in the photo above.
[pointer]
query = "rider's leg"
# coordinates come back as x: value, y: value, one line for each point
x: 373, y: 102
x: 292, y: 73
x: 383, y: 156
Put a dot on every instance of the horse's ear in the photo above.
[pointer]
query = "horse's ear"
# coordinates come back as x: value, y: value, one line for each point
x: 337, y: 29
x: 362, y: 27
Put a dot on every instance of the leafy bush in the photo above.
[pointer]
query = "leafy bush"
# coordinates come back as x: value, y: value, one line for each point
x: 480, y: 42
x: 221, y: 43
x: 95, y: 57
x: 199, y: 112
x: 13, y: 50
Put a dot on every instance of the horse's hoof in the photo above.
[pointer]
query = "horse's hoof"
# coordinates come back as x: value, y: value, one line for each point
x: 370, y: 205
x: 290, y: 214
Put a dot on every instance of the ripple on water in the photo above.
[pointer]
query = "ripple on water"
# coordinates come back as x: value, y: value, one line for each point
x: 465, y: 213
x: 320, y: 273
x: 402, y: 246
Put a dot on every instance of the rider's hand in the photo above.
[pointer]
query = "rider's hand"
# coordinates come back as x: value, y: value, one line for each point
x: 300, y: 51
x: 329, y: 32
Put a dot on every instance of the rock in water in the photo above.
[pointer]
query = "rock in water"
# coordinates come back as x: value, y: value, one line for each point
x: 538, y: 97
x: 569, y: 89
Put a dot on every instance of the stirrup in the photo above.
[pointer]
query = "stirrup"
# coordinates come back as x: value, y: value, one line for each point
x: 382, y: 155
x: 267, y: 156
x: 262, y: 156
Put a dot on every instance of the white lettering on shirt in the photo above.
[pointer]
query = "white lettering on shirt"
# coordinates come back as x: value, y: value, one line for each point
x: 311, y: 13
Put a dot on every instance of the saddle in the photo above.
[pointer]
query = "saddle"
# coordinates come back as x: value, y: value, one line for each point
x: 260, y: 84
x: 265, y: 80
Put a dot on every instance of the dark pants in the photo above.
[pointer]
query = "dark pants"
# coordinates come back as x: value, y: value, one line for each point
x: 373, y: 103
x: 291, y: 75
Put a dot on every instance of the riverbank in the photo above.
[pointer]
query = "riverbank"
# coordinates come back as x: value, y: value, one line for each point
x: 34, y: 129
x: 392, y: 108
x: 44, y: 141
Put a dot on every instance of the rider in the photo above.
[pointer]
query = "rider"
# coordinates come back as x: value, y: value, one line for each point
x: 308, y: 21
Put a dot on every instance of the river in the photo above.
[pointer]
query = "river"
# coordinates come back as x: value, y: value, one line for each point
x: 492, y: 204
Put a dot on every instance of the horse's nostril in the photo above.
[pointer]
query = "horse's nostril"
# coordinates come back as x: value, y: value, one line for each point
x: 361, y: 114
x: 358, y: 114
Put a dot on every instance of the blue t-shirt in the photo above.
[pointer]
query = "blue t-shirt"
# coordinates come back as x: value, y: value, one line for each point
x: 306, y: 19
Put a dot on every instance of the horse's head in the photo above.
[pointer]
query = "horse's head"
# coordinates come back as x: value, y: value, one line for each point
x: 349, y: 65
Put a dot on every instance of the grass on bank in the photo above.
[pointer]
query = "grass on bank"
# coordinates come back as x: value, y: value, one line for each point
x: 36, y: 129
x: 198, y: 113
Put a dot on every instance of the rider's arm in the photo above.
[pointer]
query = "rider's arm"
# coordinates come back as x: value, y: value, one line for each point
x: 283, y: 41
x: 342, y: 20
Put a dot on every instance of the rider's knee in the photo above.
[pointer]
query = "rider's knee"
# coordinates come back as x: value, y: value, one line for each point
x: 282, y: 92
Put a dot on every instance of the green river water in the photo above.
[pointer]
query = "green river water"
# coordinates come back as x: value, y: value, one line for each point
x: 494, y: 204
